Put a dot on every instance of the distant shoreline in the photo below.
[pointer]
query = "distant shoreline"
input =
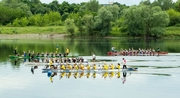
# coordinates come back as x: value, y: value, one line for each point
x: 32, y: 36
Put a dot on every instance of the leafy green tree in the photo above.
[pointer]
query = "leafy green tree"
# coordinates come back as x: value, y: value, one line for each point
x: 17, y: 4
x: 92, y: 5
x: 145, y: 20
x: 24, y: 21
x: 80, y: 26
x: 16, y: 23
x: 177, y: 5
x: 88, y: 22
x: 114, y: 9
x: 54, y: 5
x: 102, y: 21
x: 52, y: 16
x: 174, y: 17
x: 164, y: 4
x: 70, y: 26
x: 65, y: 16
x: 145, y: 2
x: 7, y: 15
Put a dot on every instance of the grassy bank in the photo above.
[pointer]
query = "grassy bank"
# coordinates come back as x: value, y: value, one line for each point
x: 33, y: 30
x: 170, y: 31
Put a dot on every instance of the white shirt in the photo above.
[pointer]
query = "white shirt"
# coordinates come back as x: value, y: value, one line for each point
x: 124, y: 62
x: 94, y: 56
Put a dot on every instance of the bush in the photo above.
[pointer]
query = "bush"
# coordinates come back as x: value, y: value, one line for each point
x: 177, y: 25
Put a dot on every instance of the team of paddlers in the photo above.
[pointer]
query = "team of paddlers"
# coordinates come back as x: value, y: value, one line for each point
x: 82, y: 66
x: 134, y: 52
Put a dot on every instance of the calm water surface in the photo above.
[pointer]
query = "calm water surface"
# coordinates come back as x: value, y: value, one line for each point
x: 157, y: 76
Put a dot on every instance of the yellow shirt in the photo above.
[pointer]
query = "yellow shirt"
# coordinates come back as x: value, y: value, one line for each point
x: 88, y: 67
x: 118, y: 67
x: 106, y: 67
x: 112, y: 66
x: 67, y: 50
x: 94, y: 67
x: 69, y: 67
x: 76, y: 67
x: 63, y: 67
x: 50, y: 63
x: 82, y: 67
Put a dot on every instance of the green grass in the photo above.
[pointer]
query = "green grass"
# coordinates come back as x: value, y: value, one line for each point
x: 33, y: 30
x: 115, y: 32
x: 173, y: 31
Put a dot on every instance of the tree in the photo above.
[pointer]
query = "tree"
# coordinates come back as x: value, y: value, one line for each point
x: 164, y: 4
x: 145, y: 2
x: 92, y: 5
x: 174, y: 17
x: 145, y: 20
x: 7, y: 15
x: 114, y: 9
x: 18, y: 5
x: 177, y: 5
x: 102, y: 21
x: 70, y: 26
x: 88, y: 22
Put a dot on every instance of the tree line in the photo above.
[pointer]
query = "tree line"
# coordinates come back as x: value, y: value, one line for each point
x: 147, y: 19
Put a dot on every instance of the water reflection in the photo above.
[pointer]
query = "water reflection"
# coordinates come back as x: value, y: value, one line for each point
x: 93, y: 75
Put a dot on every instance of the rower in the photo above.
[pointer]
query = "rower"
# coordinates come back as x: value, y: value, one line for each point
x: 112, y: 66
x: 118, y: 66
x: 67, y: 51
x: 24, y: 53
x: 63, y: 67
x: 94, y: 67
x: 75, y: 67
x: 50, y: 63
x: 57, y: 48
x: 69, y: 67
x: 105, y: 67
x: 88, y: 67
x: 81, y: 66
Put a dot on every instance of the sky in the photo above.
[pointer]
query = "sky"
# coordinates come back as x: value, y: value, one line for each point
x: 127, y: 2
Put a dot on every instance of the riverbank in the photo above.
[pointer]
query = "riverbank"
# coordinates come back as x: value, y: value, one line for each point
x: 57, y: 32
x: 32, y: 36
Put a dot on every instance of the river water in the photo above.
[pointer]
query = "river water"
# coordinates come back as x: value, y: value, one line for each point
x: 157, y: 76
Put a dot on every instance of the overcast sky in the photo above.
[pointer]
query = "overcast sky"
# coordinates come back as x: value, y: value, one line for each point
x: 127, y: 2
